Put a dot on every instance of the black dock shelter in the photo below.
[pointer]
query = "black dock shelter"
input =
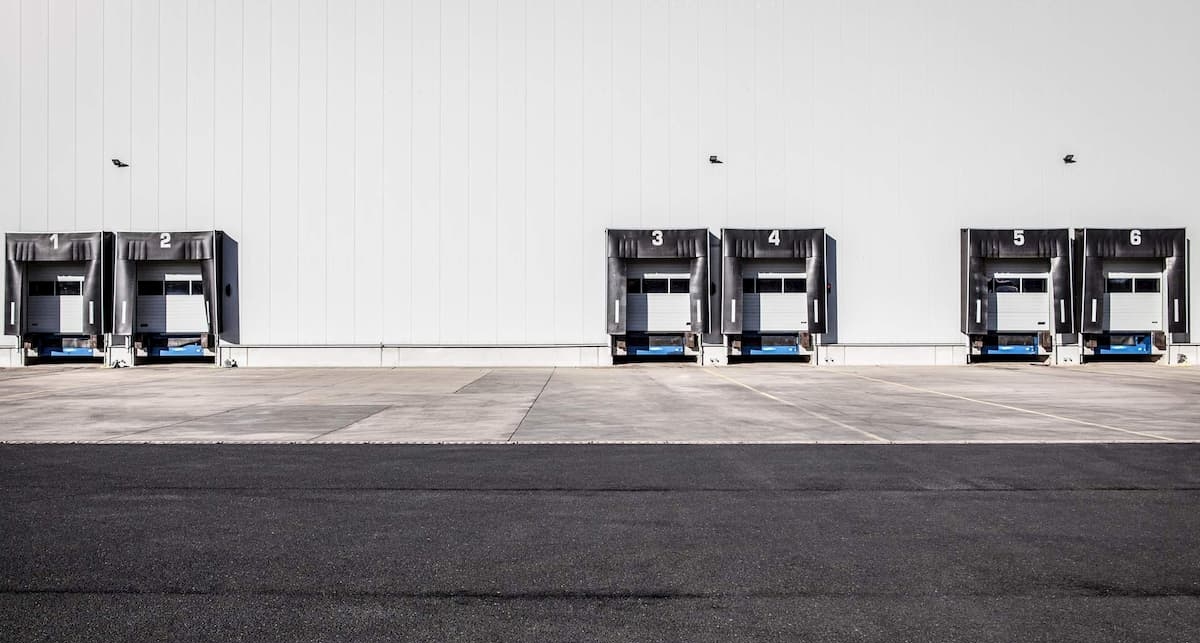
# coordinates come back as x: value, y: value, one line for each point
x: 84, y: 258
x: 141, y: 258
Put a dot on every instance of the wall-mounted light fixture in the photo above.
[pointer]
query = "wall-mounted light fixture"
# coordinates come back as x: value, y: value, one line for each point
x: 1069, y: 159
x: 119, y: 163
x: 714, y: 160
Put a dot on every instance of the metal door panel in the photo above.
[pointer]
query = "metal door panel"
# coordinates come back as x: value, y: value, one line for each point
x: 171, y: 313
x: 60, y: 314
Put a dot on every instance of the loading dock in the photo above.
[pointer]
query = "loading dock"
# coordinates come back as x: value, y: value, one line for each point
x: 657, y: 292
x: 1133, y: 290
x: 774, y: 292
x: 167, y: 294
x: 55, y: 293
x: 1016, y: 291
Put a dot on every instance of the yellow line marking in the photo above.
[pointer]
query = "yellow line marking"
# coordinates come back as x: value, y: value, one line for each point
x: 1012, y: 408
x: 819, y: 416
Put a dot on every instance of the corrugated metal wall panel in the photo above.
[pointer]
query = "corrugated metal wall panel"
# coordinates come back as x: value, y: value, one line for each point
x: 366, y: 155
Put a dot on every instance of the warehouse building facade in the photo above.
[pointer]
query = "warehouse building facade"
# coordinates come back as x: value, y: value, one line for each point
x: 481, y: 182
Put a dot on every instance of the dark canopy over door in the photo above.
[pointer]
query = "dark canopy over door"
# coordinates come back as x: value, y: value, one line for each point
x: 89, y: 248
x: 1097, y: 244
x: 978, y: 245
x: 624, y: 245
x: 132, y: 247
x: 771, y: 243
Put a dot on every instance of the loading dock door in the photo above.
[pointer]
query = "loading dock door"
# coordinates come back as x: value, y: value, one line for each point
x: 170, y: 298
x: 1018, y: 292
x: 658, y: 297
x: 1133, y: 299
x: 55, y: 298
x: 774, y: 298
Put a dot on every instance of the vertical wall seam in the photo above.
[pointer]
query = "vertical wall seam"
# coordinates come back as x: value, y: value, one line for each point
x: 129, y: 113
x: 583, y: 112
x: 725, y: 98
x: 242, y: 127
x: 103, y: 110
x: 525, y: 165
x: 411, y: 120
x: 158, y: 120
x: 812, y: 121
x: 383, y: 177
x: 553, y: 165
x: 496, y: 246
x: 325, y: 182
x: 670, y: 192
x: 470, y: 282
x: 187, y: 111
x: 300, y: 291
x: 787, y: 215
x: 270, y: 165
x: 213, y: 99
x: 756, y: 111
x: 20, y: 115
x: 441, y: 44
x: 641, y: 110
x: 354, y: 176
x: 75, y: 116
x: 47, y: 113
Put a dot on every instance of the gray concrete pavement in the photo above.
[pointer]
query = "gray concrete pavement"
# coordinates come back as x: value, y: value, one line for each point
x: 637, y: 403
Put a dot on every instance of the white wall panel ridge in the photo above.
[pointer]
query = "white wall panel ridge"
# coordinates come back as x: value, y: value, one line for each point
x: 626, y: 246
x: 807, y: 247
x: 978, y: 245
x: 91, y: 250
x: 1094, y: 245
x: 203, y: 248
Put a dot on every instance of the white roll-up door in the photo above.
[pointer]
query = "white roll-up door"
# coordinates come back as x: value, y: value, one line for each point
x: 170, y: 298
x: 774, y: 297
x: 55, y: 298
x: 1018, y: 295
x: 1133, y: 298
x: 658, y: 297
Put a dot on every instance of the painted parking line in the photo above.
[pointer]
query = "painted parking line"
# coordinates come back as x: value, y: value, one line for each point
x: 1010, y: 407
x: 819, y: 416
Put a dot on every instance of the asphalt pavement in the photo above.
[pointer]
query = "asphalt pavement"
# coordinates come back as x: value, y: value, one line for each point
x: 609, y: 543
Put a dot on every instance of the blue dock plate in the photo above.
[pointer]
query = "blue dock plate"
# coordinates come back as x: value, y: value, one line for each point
x: 1140, y: 346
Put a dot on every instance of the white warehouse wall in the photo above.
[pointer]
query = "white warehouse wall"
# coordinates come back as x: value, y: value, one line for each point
x: 441, y: 173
